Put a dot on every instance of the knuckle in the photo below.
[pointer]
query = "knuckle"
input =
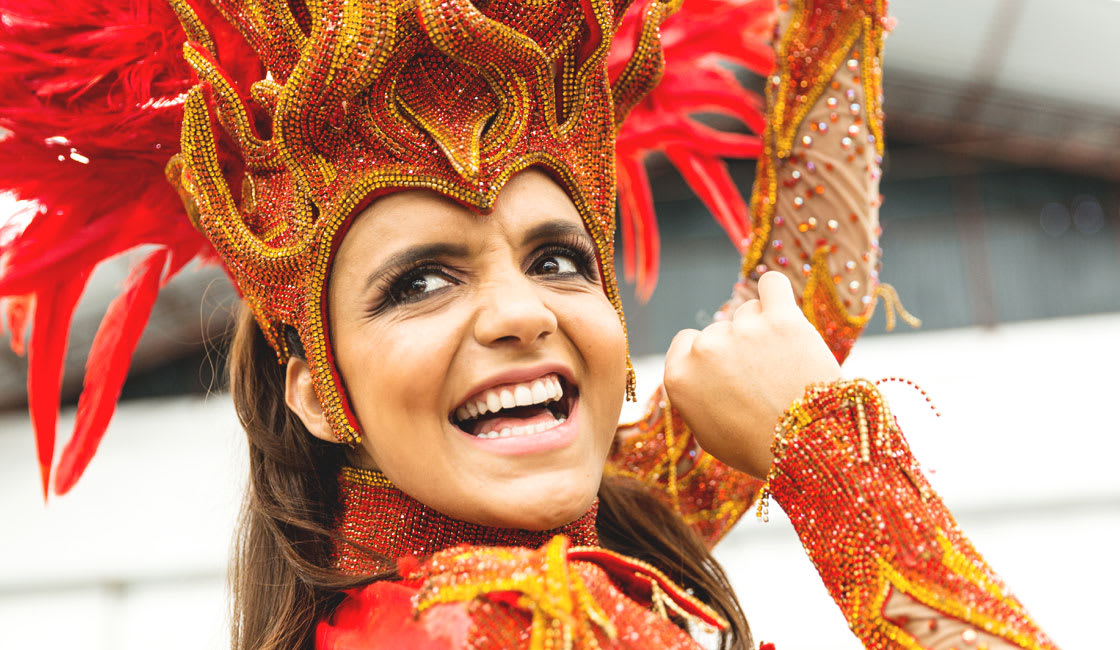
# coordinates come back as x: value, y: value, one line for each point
x: 715, y: 330
x: 746, y: 322
x: 682, y: 337
x: 675, y: 377
x: 747, y: 308
x: 706, y: 344
x: 788, y: 320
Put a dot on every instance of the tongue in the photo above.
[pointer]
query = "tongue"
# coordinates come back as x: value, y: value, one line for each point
x: 518, y: 417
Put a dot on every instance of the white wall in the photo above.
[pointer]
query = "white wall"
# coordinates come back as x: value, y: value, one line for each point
x: 134, y: 556
x: 1025, y: 454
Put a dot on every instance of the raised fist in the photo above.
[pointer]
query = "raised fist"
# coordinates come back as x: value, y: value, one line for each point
x: 734, y: 379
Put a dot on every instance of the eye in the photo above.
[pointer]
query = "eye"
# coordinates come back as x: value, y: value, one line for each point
x: 556, y: 264
x: 418, y: 284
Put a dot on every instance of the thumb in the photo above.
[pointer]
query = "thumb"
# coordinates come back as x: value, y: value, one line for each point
x: 679, y: 350
x: 776, y: 293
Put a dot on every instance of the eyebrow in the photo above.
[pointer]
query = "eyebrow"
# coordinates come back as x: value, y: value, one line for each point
x: 552, y: 230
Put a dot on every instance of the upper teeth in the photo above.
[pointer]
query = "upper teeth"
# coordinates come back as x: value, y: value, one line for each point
x: 539, y: 391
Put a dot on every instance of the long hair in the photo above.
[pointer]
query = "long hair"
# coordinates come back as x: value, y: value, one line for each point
x: 281, y: 575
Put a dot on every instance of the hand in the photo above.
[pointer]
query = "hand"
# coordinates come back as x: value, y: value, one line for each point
x: 733, y: 380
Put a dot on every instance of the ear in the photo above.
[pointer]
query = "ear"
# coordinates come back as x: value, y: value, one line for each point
x: 299, y: 395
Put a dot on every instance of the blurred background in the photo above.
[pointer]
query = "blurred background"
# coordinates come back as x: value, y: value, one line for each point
x: 1001, y: 231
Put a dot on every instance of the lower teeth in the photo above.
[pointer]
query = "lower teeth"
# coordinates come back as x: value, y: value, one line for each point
x: 515, y: 432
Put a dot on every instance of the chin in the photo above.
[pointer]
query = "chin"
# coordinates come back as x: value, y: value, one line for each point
x: 543, y: 506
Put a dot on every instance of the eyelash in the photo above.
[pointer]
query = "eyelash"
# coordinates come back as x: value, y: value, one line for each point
x: 575, y: 247
x: 397, y: 279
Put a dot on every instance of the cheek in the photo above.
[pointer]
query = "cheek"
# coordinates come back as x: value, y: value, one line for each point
x: 597, y: 333
x: 394, y: 371
x: 606, y: 342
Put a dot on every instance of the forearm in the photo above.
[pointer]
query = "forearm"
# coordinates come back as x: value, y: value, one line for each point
x: 887, y: 548
x: 815, y: 215
x: 815, y: 203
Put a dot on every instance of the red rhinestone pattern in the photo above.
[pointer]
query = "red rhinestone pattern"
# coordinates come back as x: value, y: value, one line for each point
x: 561, y: 597
x: 379, y: 523
x: 660, y: 452
x: 824, y: 136
x: 873, y: 526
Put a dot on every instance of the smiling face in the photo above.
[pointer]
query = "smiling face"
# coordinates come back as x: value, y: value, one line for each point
x: 484, y: 363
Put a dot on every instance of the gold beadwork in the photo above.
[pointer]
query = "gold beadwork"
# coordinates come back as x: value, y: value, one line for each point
x: 824, y: 113
x: 659, y: 451
x: 376, y: 96
x: 379, y: 523
x: 871, y: 523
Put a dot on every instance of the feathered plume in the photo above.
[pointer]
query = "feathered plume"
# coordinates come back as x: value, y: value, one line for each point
x: 699, y: 41
x: 90, y: 107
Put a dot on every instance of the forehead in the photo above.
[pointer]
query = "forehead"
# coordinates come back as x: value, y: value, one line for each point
x: 415, y: 216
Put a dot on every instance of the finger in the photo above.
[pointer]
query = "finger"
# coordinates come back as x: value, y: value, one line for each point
x: 677, y: 360
x: 776, y: 293
x: 740, y: 293
x: 752, y: 307
x: 681, y: 346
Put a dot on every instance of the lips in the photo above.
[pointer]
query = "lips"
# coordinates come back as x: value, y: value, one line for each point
x: 516, y: 409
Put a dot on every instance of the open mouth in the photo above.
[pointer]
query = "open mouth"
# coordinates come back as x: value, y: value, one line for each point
x: 517, y: 410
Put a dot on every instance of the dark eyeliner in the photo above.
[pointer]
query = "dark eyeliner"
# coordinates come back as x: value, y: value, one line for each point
x: 390, y: 283
x: 576, y: 247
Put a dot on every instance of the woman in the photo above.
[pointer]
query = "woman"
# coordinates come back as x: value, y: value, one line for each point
x: 424, y: 239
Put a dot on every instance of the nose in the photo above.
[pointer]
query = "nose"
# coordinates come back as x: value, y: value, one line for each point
x: 512, y: 312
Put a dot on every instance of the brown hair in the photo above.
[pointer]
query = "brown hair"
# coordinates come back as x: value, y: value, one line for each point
x: 281, y: 577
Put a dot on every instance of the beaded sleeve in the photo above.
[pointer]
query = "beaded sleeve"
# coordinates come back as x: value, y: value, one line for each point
x: 888, y: 550
x: 815, y: 216
x: 659, y: 451
x: 815, y: 202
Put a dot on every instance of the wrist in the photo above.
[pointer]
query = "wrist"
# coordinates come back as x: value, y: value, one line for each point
x: 821, y: 401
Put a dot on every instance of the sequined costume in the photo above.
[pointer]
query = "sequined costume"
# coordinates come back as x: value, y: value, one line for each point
x: 480, y: 587
x: 888, y: 550
x: 301, y: 114
x: 915, y: 583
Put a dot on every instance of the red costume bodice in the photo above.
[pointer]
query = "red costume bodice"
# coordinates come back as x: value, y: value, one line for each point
x: 469, y: 586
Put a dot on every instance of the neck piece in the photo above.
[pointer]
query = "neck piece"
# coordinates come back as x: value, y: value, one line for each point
x: 380, y: 523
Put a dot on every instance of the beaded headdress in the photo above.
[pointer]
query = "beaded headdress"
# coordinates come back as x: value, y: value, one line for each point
x: 377, y: 96
x: 295, y: 115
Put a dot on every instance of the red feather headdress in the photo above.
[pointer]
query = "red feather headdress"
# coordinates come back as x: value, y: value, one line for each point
x: 90, y: 106
x: 94, y: 94
x: 700, y: 42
